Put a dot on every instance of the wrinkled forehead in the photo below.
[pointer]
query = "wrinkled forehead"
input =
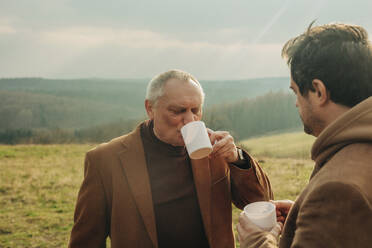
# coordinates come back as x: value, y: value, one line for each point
x: 179, y: 88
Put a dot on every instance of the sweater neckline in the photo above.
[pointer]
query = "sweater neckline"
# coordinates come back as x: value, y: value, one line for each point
x: 147, y: 131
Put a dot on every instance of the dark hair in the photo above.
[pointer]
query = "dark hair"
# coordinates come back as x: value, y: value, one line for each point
x: 337, y: 54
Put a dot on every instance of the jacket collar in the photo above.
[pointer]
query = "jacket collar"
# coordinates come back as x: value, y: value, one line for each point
x: 134, y: 164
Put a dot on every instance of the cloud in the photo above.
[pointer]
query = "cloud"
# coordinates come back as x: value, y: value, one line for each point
x: 6, y: 26
x: 6, y: 29
x: 213, y: 39
x: 132, y: 38
x: 98, y: 36
x: 88, y: 51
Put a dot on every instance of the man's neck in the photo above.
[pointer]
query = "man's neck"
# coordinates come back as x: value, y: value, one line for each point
x: 331, y: 112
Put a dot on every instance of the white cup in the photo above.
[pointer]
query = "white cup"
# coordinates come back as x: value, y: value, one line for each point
x: 261, y: 213
x: 196, y: 139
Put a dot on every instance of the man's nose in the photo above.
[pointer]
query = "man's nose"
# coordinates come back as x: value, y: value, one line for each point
x: 189, y: 117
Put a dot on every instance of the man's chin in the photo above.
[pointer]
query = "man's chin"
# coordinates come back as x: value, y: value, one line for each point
x: 308, y: 130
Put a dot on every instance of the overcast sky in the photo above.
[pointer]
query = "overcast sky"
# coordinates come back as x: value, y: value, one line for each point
x: 212, y: 39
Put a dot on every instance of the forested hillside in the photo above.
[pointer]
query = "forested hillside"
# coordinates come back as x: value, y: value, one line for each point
x: 44, y: 103
x: 34, y: 103
x: 272, y: 112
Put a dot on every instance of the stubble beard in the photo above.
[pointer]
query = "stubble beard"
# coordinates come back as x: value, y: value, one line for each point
x: 308, y: 129
x: 312, y: 124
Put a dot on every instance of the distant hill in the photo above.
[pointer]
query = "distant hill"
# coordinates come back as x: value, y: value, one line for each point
x: 31, y: 103
x: 269, y: 113
x: 35, y: 103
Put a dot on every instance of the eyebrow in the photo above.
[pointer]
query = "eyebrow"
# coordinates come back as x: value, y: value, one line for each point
x: 176, y: 107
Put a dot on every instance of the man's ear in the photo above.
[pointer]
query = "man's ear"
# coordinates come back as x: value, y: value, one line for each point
x: 321, y: 93
x: 149, y: 109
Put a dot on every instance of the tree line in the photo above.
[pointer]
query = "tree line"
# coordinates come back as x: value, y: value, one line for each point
x: 272, y: 112
x: 37, y: 103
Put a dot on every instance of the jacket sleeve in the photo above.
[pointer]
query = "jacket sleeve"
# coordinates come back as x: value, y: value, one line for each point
x: 90, y: 219
x: 249, y: 185
x: 334, y: 215
x: 259, y: 240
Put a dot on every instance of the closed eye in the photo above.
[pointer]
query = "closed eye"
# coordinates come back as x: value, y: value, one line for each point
x: 178, y: 111
x: 196, y: 110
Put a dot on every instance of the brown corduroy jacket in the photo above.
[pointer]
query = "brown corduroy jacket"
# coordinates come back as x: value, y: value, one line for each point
x: 115, y: 197
x: 335, y: 209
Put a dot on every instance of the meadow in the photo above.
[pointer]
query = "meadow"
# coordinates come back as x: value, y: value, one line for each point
x: 39, y: 184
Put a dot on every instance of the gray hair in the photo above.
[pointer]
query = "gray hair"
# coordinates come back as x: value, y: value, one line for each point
x: 156, y: 85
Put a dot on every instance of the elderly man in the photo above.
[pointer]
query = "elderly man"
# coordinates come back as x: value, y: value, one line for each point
x: 143, y: 190
x: 331, y: 75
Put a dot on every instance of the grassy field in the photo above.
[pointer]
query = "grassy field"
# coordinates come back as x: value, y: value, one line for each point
x: 38, y: 188
x: 39, y: 185
x: 288, y: 145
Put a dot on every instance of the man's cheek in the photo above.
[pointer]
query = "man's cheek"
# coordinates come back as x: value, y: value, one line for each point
x: 174, y: 121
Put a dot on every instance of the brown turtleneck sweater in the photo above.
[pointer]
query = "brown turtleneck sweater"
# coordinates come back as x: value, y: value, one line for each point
x: 177, y: 213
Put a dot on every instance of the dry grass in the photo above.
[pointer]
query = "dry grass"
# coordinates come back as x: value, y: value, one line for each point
x: 288, y: 145
x: 39, y: 185
x: 38, y: 189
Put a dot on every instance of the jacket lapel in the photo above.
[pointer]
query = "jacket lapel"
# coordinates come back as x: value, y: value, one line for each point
x: 202, y: 180
x: 134, y: 164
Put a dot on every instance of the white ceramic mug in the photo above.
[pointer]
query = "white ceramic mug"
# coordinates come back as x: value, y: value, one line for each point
x: 196, y: 139
x: 262, y: 213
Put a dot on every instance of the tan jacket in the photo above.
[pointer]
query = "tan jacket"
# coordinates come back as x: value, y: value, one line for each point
x: 115, y: 197
x: 335, y: 209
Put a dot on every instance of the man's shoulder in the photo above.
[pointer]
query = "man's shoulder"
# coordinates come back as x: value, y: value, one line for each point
x: 109, y: 146
x: 351, y: 159
x: 350, y: 166
x: 116, y: 145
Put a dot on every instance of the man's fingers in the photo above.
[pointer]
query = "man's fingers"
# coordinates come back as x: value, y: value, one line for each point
x: 283, y: 203
x: 243, y: 219
x: 223, y: 148
x: 280, y: 219
x: 283, y: 206
x: 223, y: 140
x: 216, y: 136
x: 277, y: 229
x: 246, y: 223
x: 210, y: 132
x: 212, y: 136
x: 241, y: 235
x: 278, y: 212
